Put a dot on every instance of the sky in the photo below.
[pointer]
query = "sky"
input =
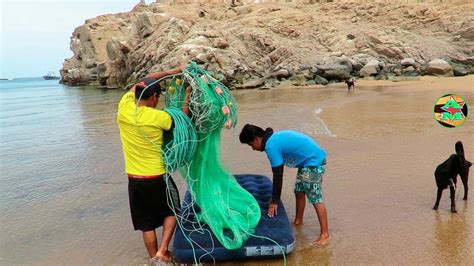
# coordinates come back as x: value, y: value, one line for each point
x: 35, y: 34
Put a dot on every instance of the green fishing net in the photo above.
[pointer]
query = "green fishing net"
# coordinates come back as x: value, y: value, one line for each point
x: 194, y: 148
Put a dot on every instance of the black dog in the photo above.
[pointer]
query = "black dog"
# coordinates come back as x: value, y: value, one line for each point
x: 447, y: 172
x: 350, y: 84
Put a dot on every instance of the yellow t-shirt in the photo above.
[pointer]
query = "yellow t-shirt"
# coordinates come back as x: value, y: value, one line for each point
x: 141, y: 156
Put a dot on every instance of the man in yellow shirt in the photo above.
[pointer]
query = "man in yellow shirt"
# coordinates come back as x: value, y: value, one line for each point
x: 141, y: 131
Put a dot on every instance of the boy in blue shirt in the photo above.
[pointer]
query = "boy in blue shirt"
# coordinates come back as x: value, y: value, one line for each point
x: 297, y: 150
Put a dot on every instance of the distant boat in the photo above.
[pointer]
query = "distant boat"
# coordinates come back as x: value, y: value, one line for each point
x: 50, y: 76
x: 6, y: 79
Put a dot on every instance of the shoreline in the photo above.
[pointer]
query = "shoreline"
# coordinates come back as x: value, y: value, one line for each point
x: 379, y: 186
x: 438, y: 82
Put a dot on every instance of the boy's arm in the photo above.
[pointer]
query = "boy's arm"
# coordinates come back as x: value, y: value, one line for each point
x: 276, y: 191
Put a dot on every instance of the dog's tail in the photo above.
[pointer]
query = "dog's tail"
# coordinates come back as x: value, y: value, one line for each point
x: 459, y: 149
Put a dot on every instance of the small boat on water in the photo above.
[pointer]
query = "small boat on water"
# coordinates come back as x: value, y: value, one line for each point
x: 50, y: 75
x: 6, y: 79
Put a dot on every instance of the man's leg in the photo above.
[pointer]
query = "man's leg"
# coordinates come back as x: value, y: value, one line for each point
x: 323, y: 222
x: 149, y: 237
x: 300, y: 205
x: 169, y: 225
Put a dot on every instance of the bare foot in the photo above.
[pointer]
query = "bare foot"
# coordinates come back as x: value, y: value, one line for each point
x: 164, y: 256
x: 322, y: 240
x: 297, y: 222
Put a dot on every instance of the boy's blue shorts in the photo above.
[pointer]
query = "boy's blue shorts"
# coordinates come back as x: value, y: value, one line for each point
x: 309, y: 180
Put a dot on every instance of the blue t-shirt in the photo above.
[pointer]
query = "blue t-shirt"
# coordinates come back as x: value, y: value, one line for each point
x: 293, y: 149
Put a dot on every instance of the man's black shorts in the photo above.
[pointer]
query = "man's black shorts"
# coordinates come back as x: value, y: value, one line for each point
x: 151, y: 202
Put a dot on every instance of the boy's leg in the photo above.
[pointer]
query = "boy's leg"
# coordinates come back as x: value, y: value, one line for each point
x: 300, y: 197
x: 315, y: 196
x: 149, y: 237
x: 169, y: 225
x: 300, y: 205
x: 323, y: 222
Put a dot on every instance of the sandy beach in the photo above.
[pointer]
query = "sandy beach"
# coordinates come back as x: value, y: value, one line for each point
x: 383, y: 146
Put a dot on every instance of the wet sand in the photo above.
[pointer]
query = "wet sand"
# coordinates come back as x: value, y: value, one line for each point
x: 383, y: 145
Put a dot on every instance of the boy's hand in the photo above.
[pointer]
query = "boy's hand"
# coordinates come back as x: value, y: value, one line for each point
x: 272, y: 209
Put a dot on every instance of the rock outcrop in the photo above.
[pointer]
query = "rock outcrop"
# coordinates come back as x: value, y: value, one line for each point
x: 250, y: 45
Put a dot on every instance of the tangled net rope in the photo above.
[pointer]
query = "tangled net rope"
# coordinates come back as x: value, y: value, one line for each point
x: 193, y: 148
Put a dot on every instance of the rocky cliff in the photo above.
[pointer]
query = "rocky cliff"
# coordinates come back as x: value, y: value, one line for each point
x: 260, y: 43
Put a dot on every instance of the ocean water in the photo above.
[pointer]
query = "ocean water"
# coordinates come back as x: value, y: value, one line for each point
x: 63, y: 190
x: 58, y: 146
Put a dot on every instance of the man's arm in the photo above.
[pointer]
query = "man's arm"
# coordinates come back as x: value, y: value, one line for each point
x: 276, y: 191
x: 132, y: 89
x: 185, y: 107
x: 159, y: 75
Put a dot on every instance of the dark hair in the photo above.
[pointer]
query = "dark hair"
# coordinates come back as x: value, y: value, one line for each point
x: 250, y: 132
x: 149, y: 87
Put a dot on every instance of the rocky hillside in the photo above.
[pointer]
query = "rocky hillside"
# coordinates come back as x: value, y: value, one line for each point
x: 250, y: 45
